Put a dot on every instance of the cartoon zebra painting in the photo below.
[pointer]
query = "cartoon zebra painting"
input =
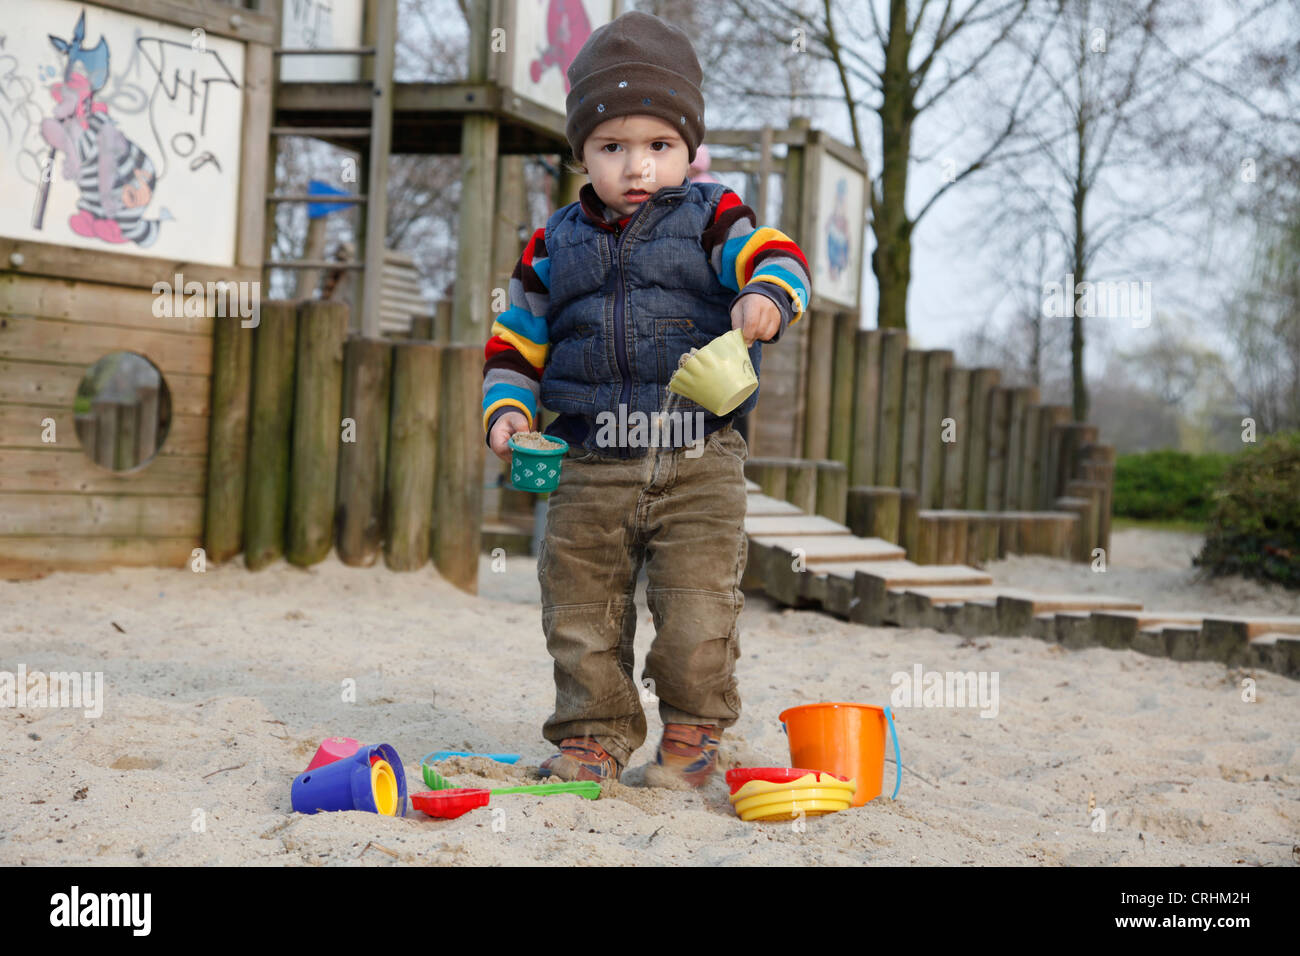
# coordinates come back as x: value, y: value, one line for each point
x: 116, y: 178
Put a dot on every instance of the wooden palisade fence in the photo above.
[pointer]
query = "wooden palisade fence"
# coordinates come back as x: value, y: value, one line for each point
x: 323, y: 440
x: 944, y: 461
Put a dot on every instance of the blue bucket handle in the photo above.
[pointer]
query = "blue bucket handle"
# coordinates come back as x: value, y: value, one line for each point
x: 898, y: 758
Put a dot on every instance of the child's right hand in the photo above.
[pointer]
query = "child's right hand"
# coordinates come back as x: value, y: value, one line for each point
x: 505, y: 426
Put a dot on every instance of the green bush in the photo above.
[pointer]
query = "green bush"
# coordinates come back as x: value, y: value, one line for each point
x: 1254, y: 527
x: 1167, y: 485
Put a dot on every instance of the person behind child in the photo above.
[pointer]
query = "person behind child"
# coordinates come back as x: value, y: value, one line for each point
x: 604, y: 301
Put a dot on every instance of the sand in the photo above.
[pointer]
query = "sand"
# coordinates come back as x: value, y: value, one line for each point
x: 535, y: 440
x: 219, y: 686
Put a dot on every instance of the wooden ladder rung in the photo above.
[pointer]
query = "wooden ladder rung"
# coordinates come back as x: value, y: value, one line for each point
x: 324, y: 132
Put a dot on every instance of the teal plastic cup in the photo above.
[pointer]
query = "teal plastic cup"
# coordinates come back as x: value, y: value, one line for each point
x: 536, y: 469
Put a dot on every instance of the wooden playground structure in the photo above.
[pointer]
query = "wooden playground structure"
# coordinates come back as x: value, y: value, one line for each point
x: 313, y: 426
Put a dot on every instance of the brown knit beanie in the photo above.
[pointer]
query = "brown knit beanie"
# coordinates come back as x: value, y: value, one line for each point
x: 636, y: 64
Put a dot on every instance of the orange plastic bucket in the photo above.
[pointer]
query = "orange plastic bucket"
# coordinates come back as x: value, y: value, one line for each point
x: 846, y: 739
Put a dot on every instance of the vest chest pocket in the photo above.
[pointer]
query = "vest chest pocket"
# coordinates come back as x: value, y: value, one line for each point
x: 673, y: 338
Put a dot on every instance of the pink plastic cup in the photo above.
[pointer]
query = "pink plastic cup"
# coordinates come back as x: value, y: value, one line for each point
x: 332, y: 749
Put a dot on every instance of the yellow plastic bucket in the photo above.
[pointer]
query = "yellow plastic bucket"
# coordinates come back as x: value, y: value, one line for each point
x: 844, y: 739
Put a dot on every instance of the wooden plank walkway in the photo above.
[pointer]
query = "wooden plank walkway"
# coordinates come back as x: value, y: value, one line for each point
x: 804, y: 560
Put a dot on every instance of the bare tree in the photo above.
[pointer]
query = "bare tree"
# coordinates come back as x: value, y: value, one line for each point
x: 901, y: 61
x: 1107, y: 160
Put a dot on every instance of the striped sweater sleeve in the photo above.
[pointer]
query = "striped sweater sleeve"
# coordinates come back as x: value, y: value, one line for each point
x: 749, y: 259
x: 516, y: 352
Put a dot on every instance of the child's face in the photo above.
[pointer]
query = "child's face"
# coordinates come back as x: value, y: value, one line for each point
x: 631, y: 153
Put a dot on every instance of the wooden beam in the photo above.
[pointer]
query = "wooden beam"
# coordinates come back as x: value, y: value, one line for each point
x: 893, y: 351
x: 866, y: 407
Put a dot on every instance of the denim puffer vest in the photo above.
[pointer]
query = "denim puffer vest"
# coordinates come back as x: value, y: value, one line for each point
x: 624, y: 307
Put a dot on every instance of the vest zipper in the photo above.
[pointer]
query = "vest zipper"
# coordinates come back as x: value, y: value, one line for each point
x: 620, y: 344
x: 620, y: 339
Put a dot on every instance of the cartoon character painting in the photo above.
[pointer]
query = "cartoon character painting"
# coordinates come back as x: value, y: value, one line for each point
x: 116, y: 178
x: 567, y: 29
x: 837, y: 233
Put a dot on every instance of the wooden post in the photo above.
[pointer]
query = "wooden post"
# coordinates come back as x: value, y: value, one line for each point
x: 1100, y: 466
x: 937, y: 363
x: 982, y: 538
x: 955, y: 453
x: 832, y: 489
x: 992, y: 537
x: 953, y: 529
x: 909, y: 472
x: 817, y: 392
x: 999, y: 420
x: 873, y: 512
x: 422, y: 328
x: 307, y: 281
x: 318, y: 402
x: 472, y: 315
x: 1095, y: 493
x: 843, y: 362
x: 1031, y: 469
x: 907, y: 521
x: 1048, y: 448
x: 982, y: 383
x: 770, y: 474
x: 893, y: 351
x: 442, y: 322
x: 383, y: 15
x: 458, y: 486
x: 1083, y: 533
x: 927, y: 538
x: 1020, y: 399
x: 1009, y: 528
x: 412, y: 454
x: 367, y: 371
x: 269, y: 433
x: 223, y: 507
x: 866, y: 407
x: 801, y: 484
x: 1073, y: 437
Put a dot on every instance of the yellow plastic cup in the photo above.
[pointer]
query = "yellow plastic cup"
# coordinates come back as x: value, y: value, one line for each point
x: 719, y: 376
x: 384, y: 784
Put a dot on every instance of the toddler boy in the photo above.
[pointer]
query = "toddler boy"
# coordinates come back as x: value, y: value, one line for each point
x: 603, y: 304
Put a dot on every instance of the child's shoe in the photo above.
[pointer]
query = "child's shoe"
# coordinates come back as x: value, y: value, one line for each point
x: 581, y: 758
x: 688, y: 755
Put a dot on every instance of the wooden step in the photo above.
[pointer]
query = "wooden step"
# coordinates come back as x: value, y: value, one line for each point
x: 795, y: 524
x: 1016, y: 613
x: 759, y: 504
x: 879, y: 589
x: 982, y: 593
x: 783, y: 562
x: 833, y: 547
x: 1277, y: 651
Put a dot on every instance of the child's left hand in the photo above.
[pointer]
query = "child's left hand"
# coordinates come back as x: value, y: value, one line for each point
x: 756, y: 316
